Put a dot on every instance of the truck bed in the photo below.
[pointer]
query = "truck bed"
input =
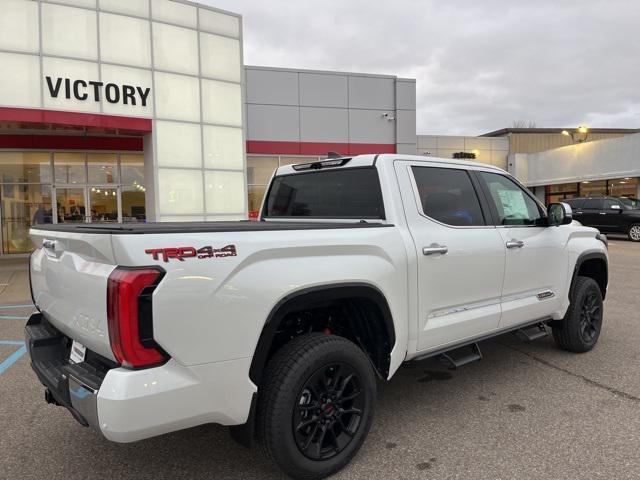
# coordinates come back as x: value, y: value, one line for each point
x: 192, y: 227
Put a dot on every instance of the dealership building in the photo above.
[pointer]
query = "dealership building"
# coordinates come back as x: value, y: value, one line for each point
x: 134, y: 111
x: 130, y: 111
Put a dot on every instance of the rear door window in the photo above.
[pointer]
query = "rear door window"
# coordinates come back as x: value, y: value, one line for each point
x: 593, y: 204
x: 448, y: 196
x: 575, y: 203
x: 344, y: 193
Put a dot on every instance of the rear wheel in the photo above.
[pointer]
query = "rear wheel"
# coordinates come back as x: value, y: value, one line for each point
x: 315, y: 405
x: 634, y: 233
x: 580, y: 328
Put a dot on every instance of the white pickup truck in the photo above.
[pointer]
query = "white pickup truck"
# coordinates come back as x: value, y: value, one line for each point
x: 279, y: 327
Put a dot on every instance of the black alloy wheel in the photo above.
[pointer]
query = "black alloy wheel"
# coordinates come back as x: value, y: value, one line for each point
x: 580, y: 328
x: 590, y: 316
x: 328, y: 411
x: 316, y: 403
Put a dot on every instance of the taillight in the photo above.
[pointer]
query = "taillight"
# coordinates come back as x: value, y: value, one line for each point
x: 129, y: 316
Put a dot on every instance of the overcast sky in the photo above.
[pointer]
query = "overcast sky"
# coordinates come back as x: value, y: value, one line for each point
x: 479, y: 65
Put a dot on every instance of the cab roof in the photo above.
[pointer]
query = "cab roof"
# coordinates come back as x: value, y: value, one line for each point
x: 371, y: 160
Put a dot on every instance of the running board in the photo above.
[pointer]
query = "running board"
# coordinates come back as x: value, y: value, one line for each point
x: 461, y: 356
x: 534, y: 332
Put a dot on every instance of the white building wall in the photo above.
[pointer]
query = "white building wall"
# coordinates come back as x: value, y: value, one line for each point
x: 189, y: 56
x: 598, y: 160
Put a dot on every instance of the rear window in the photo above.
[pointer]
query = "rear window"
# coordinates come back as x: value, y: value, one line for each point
x: 344, y: 193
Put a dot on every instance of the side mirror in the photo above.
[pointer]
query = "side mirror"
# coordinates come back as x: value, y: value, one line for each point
x: 559, y: 214
x: 618, y: 208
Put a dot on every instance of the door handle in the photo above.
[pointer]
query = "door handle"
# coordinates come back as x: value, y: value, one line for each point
x: 515, y: 244
x: 434, y: 248
x: 603, y: 213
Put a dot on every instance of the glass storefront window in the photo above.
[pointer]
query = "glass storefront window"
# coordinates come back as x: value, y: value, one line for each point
x: 132, y: 169
x: 594, y: 188
x: 69, y: 168
x: 260, y: 169
x: 23, y: 206
x: 559, y: 193
x: 88, y: 187
x: 25, y: 167
x: 104, y: 205
x: 71, y: 205
x: 256, y: 195
x: 133, y: 205
x: 102, y: 168
x: 624, y: 187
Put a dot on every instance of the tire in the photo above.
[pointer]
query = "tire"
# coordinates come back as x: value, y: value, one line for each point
x: 580, y: 328
x: 294, y: 378
x: 634, y: 232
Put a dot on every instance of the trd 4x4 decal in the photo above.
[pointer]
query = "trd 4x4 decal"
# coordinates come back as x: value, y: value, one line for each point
x: 181, y: 253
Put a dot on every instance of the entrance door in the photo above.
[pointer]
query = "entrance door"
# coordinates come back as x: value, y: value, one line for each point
x: 460, y: 256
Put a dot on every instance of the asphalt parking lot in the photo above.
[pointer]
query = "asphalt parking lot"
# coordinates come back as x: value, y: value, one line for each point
x: 525, y: 411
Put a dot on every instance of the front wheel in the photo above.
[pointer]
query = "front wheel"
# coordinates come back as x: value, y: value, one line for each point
x: 580, y: 328
x: 315, y: 405
x: 634, y: 233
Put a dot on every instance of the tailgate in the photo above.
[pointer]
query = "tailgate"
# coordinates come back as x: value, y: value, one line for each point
x: 69, y: 274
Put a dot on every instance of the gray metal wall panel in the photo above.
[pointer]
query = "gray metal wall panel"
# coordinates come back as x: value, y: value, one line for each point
x: 368, y: 126
x: 324, y: 125
x: 406, y: 149
x: 372, y: 93
x: 406, y: 126
x: 273, y: 122
x: 321, y: 90
x: 405, y: 95
x: 272, y: 87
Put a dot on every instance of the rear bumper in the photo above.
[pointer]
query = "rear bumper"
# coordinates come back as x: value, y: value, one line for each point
x: 73, y: 386
x: 128, y: 405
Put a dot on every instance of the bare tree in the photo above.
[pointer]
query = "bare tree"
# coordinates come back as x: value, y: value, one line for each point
x: 523, y: 124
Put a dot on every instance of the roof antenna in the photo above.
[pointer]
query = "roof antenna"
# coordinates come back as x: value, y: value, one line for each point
x: 333, y: 155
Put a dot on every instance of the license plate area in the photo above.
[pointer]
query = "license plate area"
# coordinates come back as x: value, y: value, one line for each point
x: 78, y: 352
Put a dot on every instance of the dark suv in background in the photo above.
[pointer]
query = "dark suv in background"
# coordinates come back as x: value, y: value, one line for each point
x: 607, y: 214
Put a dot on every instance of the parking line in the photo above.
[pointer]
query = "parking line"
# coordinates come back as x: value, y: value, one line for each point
x: 12, y: 317
x: 14, y: 357
x: 15, y: 306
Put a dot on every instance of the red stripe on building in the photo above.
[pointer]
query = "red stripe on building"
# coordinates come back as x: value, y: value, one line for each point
x: 53, y: 117
x: 66, y: 142
x: 316, y: 148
